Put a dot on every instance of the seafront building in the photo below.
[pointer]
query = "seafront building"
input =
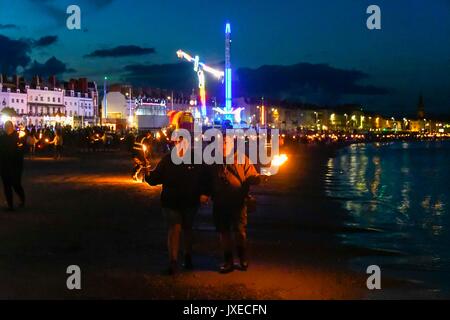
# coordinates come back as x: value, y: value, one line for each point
x: 73, y: 103
x: 142, y: 108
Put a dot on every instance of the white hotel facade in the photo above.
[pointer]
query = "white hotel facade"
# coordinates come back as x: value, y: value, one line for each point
x: 42, y: 106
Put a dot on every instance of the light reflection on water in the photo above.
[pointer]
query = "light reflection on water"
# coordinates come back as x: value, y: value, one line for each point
x: 401, y: 189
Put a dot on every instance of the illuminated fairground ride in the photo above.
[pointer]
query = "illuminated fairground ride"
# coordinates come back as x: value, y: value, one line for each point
x: 201, y: 68
x: 228, y: 112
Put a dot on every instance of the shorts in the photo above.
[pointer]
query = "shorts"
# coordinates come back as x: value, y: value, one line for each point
x: 184, y: 217
x: 228, y: 219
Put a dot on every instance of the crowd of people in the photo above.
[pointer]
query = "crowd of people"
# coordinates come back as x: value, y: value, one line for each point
x: 55, y: 137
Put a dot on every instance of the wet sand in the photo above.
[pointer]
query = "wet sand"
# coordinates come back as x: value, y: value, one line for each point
x: 85, y: 210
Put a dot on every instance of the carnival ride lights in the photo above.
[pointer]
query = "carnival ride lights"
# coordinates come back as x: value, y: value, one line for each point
x: 228, y: 113
x: 228, y: 93
x: 201, y: 68
x: 234, y: 115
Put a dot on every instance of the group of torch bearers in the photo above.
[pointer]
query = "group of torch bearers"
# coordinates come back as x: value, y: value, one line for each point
x: 186, y: 187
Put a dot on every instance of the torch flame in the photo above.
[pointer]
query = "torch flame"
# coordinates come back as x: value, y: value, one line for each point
x: 279, y: 160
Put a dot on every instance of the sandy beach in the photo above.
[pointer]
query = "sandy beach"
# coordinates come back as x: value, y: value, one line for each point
x: 85, y: 210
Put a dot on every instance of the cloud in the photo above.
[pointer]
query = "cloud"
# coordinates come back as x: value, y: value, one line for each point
x: 316, y: 83
x: 313, y: 83
x: 177, y: 76
x: 16, y: 53
x: 52, y: 66
x: 45, y: 41
x: 13, y: 54
x: 121, y: 51
x: 8, y: 26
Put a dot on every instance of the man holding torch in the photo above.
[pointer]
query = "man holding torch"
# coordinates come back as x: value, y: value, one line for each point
x: 230, y: 186
x: 180, y: 200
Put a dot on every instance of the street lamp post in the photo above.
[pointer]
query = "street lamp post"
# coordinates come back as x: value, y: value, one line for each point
x: 263, y: 107
x: 170, y: 98
x: 106, y: 100
x: 96, y: 104
x: 130, y: 112
x: 129, y: 102
x: 317, y: 120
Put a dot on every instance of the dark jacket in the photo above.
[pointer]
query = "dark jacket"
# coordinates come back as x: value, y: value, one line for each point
x: 230, y: 183
x: 181, y: 184
x: 11, y: 154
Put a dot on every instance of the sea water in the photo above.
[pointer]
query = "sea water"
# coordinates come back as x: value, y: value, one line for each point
x: 398, y: 199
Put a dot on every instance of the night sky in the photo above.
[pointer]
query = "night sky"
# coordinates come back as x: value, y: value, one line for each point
x: 315, y: 51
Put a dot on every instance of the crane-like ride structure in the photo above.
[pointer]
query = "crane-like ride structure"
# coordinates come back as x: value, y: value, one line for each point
x: 200, y: 68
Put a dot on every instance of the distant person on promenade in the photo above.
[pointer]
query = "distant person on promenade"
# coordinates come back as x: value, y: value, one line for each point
x: 180, y: 200
x: 230, y: 186
x: 31, y: 142
x: 58, y: 143
x: 11, y: 164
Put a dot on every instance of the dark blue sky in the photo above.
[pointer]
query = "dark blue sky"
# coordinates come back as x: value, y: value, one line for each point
x: 385, y: 69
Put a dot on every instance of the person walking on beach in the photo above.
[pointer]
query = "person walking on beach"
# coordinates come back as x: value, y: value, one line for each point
x: 11, y: 164
x: 31, y: 142
x: 230, y: 186
x: 58, y: 144
x: 180, y: 200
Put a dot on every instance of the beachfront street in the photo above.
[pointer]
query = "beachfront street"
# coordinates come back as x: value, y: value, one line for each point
x: 87, y: 211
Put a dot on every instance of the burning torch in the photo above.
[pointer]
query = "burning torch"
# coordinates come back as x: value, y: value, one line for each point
x: 275, y: 164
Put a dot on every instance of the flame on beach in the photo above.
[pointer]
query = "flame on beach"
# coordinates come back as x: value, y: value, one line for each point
x: 279, y: 160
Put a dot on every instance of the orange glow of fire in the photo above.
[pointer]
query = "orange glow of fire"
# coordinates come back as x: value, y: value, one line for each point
x: 279, y: 160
